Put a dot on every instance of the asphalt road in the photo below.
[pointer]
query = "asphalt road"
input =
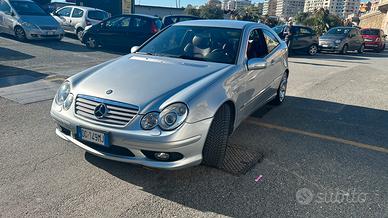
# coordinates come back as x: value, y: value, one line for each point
x: 325, y: 150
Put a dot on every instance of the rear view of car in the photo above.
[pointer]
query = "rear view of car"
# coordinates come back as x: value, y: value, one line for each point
x: 124, y: 31
x: 374, y: 39
x: 27, y: 21
x: 172, y: 19
x: 75, y: 19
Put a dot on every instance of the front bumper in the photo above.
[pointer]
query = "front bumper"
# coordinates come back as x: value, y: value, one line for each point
x: 187, y: 140
x: 330, y: 47
x: 36, y: 34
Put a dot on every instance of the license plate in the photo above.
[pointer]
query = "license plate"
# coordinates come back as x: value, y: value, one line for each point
x: 93, y: 136
x: 368, y: 40
x: 50, y: 33
x: 325, y: 46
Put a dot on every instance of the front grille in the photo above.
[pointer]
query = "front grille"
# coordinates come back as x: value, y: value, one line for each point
x: 118, y: 113
x: 48, y: 27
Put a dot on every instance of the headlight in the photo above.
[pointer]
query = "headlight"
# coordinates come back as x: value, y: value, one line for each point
x: 169, y: 119
x: 150, y: 121
x: 68, y: 102
x: 337, y: 41
x: 29, y: 25
x: 63, y: 93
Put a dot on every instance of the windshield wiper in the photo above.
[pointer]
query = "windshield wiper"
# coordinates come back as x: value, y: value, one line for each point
x: 144, y: 53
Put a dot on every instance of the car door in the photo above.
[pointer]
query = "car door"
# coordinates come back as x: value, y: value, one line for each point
x: 6, y: 19
x: 275, y: 62
x: 353, y: 44
x: 63, y: 17
x: 359, y: 39
x: 76, y: 18
x: 257, y: 82
x: 114, y: 32
x: 305, y: 37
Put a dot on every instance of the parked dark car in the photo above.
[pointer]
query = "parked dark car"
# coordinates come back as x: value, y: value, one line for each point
x: 342, y: 40
x: 374, y: 39
x: 302, y: 38
x: 172, y: 19
x: 122, y: 31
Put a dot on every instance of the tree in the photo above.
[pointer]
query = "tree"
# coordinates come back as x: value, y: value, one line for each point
x: 205, y: 11
x: 192, y: 11
x: 320, y: 20
x: 211, y: 12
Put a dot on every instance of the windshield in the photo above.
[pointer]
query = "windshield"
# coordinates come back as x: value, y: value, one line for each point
x: 338, y: 31
x: 210, y: 44
x: 27, y: 8
x: 278, y: 29
x: 373, y: 32
x: 97, y: 15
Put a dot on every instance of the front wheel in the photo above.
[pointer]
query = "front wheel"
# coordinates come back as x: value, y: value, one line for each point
x: 80, y: 33
x: 312, y: 50
x: 20, y: 34
x: 361, y: 49
x: 217, y: 138
x: 282, y: 90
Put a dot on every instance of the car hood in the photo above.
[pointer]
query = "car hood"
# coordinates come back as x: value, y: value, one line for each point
x: 141, y: 80
x: 39, y: 20
x: 332, y: 37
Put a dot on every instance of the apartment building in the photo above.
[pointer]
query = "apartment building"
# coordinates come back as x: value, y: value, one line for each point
x: 342, y: 8
x: 289, y: 8
x: 269, y: 7
x: 232, y: 5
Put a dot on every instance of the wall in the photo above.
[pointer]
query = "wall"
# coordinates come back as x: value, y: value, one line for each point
x: 159, y: 11
x: 374, y: 20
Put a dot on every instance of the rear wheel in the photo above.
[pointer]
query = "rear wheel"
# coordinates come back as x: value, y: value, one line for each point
x: 361, y: 49
x: 91, y: 42
x: 344, y: 49
x: 217, y: 138
x: 282, y: 90
x: 312, y: 50
x: 20, y: 34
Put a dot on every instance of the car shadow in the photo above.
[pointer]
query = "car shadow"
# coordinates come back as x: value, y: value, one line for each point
x: 211, y: 190
x: 10, y: 76
x: 7, y: 54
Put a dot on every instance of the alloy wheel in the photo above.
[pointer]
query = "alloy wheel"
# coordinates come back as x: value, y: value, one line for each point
x: 313, y: 50
x: 283, y: 89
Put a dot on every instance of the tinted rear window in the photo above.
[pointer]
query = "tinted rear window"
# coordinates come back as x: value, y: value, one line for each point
x: 370, y: 32
x: 97, y: 15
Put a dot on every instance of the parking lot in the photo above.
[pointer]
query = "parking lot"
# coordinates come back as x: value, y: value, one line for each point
x: 324, y: 151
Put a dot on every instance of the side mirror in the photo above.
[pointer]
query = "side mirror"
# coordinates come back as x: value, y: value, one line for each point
x: 257, y: 64
x: 134, y: 49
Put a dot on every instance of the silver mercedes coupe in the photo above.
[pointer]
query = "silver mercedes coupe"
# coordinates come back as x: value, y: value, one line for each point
x: 174, y: 101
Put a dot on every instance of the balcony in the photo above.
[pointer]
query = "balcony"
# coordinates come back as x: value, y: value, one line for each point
x: 383, y: 6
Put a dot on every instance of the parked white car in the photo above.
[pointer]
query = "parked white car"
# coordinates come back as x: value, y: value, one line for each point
x: 74, y: 19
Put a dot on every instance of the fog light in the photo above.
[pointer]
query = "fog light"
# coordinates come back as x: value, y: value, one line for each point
x: 161, y: 156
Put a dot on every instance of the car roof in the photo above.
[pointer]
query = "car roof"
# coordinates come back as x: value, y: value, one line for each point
x: 235, y: 24
x: 83, y: 7
x: 20, y: 1
x: 182, y: 15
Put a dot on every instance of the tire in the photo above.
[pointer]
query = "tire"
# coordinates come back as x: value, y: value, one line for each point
x: 91, y: 42
x: 345, y: 49
x: 361, y: 49
x: 217, y: 138
x: 20, y: 34
x: 312, y: 50
x: 80, y: 32
x: 281, y: 92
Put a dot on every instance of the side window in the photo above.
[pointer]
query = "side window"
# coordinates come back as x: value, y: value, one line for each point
x: 257, y: 47
x: 305, y: 31
x: 65, y: 12
x: 118, y: 23
x: 271, y: 40
x: 4, y: 7
x: 77, y: 13
x: 140, y: 24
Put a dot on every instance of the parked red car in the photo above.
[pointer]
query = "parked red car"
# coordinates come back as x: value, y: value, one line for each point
x: 374, y: 39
